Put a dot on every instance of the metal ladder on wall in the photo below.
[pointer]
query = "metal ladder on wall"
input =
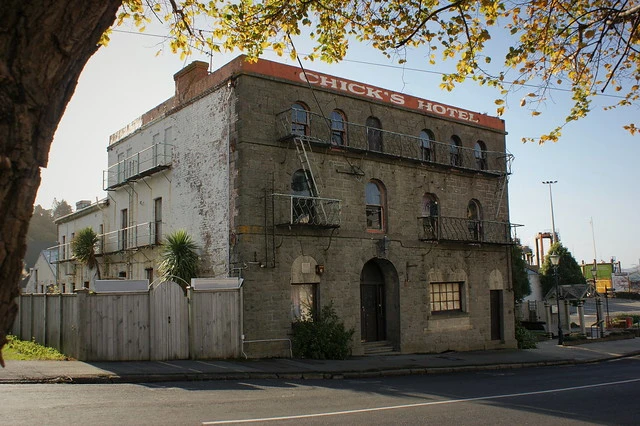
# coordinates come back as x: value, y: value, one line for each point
x: 303, y: 149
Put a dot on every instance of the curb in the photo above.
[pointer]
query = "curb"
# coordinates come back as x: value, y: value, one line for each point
x: 306, y: 375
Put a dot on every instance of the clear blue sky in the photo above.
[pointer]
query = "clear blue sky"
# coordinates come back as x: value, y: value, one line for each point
x: 595, y: 163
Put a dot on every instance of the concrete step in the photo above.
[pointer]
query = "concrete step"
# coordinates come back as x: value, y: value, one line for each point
x: 383, y: 347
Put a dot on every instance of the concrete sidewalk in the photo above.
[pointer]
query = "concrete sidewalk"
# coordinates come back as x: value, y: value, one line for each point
x: 548, y: 353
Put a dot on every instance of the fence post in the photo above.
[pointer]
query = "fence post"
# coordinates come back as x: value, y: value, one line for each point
x: 44, y: 320
x: 60, y: 321
x: 190, y: 325
x: 84, y: 339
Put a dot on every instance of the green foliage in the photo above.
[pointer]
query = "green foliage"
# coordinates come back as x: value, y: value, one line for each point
x: 525, y: 338
x: 519, y: 276
x: 42, y: 234
x: 179, y: 259
x: 83, y: 248
x: 636, y: 317
x: 581, y: 47
x: 569, y: 271
x: 322, y: 338
x: 60, y: 208
x: 22, y: 350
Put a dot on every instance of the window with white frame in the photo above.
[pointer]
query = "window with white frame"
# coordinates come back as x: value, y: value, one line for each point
x: 454, y: 151
x: 375, y: 206
x: 299, y: 119
x: 446, y: 297
x: 374, y: 134
x: 480, y: 155
x: 303, y: 301
x: 426, y: 147
x: 338, y: 128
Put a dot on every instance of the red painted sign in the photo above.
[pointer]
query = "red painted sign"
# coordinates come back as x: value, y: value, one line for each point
x: 329, y: 82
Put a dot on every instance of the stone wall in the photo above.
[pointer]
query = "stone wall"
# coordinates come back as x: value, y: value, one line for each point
x: 266, y: 253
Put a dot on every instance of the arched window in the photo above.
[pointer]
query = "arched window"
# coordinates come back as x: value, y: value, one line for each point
x: 374, y: 134
x: 338, y: 128
x: 302, y: 203
x: 426, y: 148
x: 299, y: 119
x: 374, y: 194
x: 429, y: 215
x: 300, y: 183
x: 480, y: 155
x: 429, y: 205
x: 454, y: 150
x: 474, y: 220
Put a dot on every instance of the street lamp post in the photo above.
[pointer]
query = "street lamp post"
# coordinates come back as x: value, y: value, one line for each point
x: 594, y: 273
x: 553, y: 224
x: 555, y: 260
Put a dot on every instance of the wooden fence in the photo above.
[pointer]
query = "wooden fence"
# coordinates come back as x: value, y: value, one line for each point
x: 158, y: 324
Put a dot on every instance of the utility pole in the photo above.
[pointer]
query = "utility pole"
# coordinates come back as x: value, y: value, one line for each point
x: 553, y: 223
x: 593, y: 237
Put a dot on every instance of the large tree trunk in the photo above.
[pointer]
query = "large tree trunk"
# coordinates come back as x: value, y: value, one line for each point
x: 44, y: 45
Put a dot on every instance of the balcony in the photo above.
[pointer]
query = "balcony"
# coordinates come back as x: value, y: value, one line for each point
x: 290, y: 210
x: 133, y: 237
x: 357, y: 137
x: 441, y: 228
x: 143, y: 163
x: 130, y: 238
x: 60, y: 253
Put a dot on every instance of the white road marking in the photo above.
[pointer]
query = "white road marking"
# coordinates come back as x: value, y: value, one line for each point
x: 420, y: 404
x: 177, y: 366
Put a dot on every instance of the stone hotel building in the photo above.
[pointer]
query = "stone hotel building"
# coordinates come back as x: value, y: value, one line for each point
x: 317, y: 190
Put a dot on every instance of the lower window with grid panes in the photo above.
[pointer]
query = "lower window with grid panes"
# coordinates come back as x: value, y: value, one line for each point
x: 446, y: 297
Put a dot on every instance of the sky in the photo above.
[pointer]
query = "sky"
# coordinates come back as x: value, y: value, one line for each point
x: 595, y: 202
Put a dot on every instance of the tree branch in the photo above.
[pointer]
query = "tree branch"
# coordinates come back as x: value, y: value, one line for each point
x: 455, y: 4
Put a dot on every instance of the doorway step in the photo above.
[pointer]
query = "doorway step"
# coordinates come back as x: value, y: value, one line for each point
x: 382, y: 347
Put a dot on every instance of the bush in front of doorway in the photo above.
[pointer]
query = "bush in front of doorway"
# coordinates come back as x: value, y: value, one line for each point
x: 525, y: 338
x: 324, y: 337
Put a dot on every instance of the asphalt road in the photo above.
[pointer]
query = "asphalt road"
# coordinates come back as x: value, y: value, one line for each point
x: 616, y: 307
x: 601, y: 394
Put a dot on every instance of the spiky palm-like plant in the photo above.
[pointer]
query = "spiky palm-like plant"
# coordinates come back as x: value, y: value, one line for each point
x: 179, y: 259
x: 83, y: 249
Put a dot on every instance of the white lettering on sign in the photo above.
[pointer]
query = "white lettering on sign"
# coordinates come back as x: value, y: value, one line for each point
x: 386, y: 96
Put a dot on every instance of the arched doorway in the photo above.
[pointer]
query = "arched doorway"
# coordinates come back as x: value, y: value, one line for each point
x: 372, y: 303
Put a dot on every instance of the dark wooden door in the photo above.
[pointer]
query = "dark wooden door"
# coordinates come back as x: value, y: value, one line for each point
x: 496, y: 314
x: 372, y: 304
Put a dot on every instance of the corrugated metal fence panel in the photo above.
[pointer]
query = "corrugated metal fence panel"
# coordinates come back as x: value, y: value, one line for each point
x: 38, y: 315
x: 118, y: 327
x: 215, y: 324
x: 69, y: 327
x: 170, y: 322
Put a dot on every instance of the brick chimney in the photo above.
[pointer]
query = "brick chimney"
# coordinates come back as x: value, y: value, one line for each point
x: 187, y: 76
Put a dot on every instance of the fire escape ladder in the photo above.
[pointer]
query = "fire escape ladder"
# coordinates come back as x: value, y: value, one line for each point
x: 303, y: 149
x: 504, y: 180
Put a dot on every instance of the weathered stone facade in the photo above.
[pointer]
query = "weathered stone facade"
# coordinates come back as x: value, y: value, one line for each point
x: 265, y: 165
x: 234, y: 154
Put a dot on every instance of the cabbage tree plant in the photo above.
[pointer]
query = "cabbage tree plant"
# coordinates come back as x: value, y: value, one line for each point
x: 179, y: 259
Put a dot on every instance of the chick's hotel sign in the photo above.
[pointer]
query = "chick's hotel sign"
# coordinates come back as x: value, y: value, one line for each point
x: 376, y: 93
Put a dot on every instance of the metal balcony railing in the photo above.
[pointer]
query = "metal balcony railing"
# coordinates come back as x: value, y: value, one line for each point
x: 306, y: 211
x: 130, y: 238
x: 138, y: 165
x: 359, y: 137
x: 441, y: 228
x: 60, y: 253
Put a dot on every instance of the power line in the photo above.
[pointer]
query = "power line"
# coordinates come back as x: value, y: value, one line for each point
x: 376, y: 64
